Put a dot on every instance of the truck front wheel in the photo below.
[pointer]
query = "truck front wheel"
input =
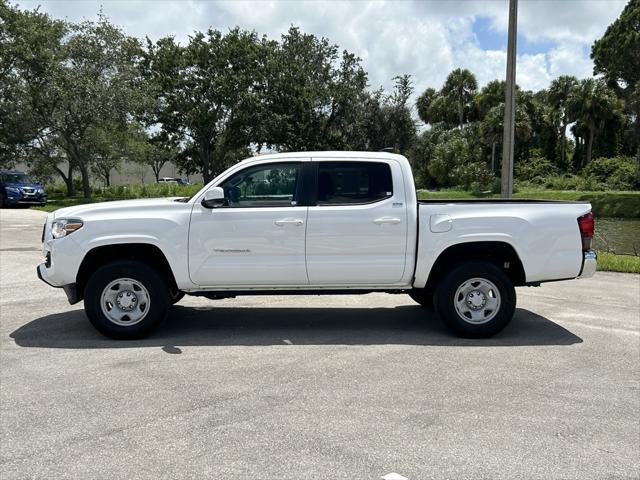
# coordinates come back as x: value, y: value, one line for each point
x: 126, y: 299
x: 476, y: 300
x: 425, y: 299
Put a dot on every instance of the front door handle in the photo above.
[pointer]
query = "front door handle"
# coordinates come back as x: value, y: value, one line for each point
x: 289, y: 221
x: 382, y: 220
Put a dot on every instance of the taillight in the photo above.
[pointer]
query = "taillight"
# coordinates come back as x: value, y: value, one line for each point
x: 587, y: 227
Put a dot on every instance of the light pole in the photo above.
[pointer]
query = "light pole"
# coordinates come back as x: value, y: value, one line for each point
x: 509, y: 104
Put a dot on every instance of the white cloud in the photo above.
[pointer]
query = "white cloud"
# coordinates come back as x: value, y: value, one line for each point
x: 568, y: 58
x: 426, y: 39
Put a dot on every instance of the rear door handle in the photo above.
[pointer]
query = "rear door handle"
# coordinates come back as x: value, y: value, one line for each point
x: 289, y: 221
x: 380, y: 221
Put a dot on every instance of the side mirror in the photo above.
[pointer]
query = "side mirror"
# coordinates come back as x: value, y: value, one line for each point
x: 213, y: 198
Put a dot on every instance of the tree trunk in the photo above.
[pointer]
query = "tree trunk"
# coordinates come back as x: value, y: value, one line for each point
x: 592, y: 133
x: 460, y: 114
x: 68, y: 179
x: 204, y: 161
x: 563, y: 144
x: 493, y: 157
x: 86, y: 188
x: 107, y: 179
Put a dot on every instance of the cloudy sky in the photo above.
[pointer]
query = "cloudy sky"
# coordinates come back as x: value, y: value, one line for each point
x: 426, y: 39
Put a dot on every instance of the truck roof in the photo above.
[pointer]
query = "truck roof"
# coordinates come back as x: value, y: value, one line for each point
x: 328, y: 154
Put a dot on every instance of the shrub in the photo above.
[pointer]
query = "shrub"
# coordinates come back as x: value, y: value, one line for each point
x: 534, y: 168
x: 457, y: 161
x: 568, y: 182
x: 616, y: 173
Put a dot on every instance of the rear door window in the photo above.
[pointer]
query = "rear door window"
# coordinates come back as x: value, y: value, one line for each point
x: 348, y: 183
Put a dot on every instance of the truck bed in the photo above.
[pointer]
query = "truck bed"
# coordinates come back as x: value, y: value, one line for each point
x: 543, y: 233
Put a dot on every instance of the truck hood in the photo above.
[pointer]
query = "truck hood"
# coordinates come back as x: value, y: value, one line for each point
x: 118, y: 208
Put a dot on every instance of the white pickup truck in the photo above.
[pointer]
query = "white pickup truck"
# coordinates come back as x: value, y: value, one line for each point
x: 313, y: 223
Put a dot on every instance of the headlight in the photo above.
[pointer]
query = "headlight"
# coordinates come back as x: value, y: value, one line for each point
x: 41, y: 190
x: 12, y: 189
x: 61, y: 228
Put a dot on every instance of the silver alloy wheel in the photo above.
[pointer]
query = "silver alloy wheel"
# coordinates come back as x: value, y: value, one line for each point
x: 125, y: 302
x: 477, y: 301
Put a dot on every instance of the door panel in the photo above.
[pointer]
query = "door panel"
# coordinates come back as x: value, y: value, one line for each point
x: 247, y: 246
x: 258, y: 237
x: 357, y: 244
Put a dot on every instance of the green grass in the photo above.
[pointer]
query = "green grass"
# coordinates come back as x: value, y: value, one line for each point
x: 121, y: 192
x: 56, y: 203
x: 624, y: 204
x: 610, y: 262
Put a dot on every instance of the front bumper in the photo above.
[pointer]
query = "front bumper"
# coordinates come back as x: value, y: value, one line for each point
x: 589, y: 264
x: 20, y: 199
x: 70, y: 289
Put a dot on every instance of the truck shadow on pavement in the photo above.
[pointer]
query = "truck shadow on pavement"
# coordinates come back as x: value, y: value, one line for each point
x: 212, y: 326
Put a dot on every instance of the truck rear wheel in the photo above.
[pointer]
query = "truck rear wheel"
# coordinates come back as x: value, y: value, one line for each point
x: 476, y: 300
x: 126, y: 299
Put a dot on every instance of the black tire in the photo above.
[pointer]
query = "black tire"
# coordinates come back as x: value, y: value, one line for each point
x: 177, y: 297
x: 462, y: 326
x: 156, y: 286
x: 422, y: 297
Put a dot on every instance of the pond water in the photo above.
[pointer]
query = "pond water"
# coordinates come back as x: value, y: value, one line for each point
x: 619, y: 235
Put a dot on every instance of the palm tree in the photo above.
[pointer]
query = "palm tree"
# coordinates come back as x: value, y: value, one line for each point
x: 491, y: 95
x: 560, y: 90
x: 424, y: 105
x: 460, y: 87
x: 592, y: 103
x: 492, y: 128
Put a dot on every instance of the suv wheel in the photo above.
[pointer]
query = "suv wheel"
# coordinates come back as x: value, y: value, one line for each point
x: 126, y: 299
x: 476, y: 300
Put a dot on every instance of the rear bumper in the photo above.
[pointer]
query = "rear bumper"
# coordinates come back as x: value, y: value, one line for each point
x: 589, y: 264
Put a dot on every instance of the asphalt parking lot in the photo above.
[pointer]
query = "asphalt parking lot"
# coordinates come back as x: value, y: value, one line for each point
x: 340, y: 387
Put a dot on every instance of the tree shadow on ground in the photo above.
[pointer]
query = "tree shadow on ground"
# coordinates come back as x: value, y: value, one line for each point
x: 212, y: 326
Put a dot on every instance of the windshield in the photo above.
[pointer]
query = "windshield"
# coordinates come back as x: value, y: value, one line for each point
x: 16, y: 178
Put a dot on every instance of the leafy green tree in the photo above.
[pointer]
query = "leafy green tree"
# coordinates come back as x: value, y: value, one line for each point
x: 388, y: 121
x: 492, y: 128
x: 460, y: 88
x: 424, y: 105
x: 84, y: 78
x: 208, y: 94
x: 314, y: 97
x: 108, y: 151
x: 30, y: 43
x: 560, y: 91
x: 152, y: 150
x: 490, y: 96
x: 592, y: 103
x: 616, y: 54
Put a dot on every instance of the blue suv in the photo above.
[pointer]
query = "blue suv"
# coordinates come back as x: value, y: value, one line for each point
x: 16, y: 188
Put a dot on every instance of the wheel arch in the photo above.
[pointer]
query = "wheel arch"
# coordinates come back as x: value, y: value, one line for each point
x: 148, y: 253
x: 502, y: 254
